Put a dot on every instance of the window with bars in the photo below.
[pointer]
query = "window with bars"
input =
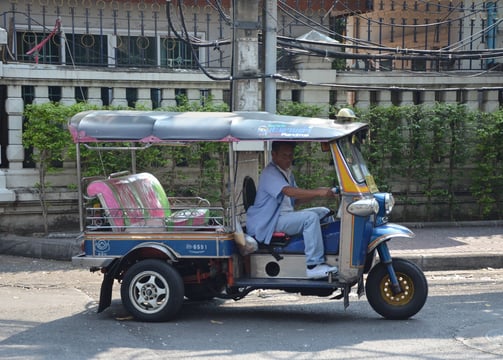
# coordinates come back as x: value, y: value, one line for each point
x: 176, y: 54
x: 86, y: 49
x: 27, y: 41
x: 136, y: 51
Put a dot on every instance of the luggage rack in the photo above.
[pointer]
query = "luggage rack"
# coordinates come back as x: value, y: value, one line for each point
x: 136, y: 219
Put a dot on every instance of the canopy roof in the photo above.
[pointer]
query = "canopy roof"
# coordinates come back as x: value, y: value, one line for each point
x: 158, y: 126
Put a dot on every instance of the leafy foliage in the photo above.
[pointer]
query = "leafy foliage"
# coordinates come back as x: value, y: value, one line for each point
x: 45, y: 132
x: 444, y: 155
x: 210, y: 180
x: 426, y: 153
x: 488, y: 180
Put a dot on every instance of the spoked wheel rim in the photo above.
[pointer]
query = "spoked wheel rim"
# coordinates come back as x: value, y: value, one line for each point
x: 149, y: 292
x: 403, y: 297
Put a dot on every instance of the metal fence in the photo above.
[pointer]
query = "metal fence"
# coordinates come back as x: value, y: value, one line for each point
x: 128, y: 33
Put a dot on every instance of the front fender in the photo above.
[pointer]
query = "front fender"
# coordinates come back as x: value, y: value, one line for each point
x: 387, y: 231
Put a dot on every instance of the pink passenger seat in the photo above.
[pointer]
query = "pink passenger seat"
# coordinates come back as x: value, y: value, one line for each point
x: 138, y: 203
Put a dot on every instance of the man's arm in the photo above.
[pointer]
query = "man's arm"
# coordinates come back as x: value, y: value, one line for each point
x: 305, y: 195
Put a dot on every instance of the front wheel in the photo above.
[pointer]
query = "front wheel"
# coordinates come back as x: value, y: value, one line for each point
x: 407, y: 303
x: 152, y: 290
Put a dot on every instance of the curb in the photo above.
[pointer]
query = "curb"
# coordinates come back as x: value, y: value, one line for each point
x: 51, y: 248
x: 453, y: 262
x: 452, y: 224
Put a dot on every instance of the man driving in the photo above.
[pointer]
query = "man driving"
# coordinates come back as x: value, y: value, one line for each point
x: 274, y: 209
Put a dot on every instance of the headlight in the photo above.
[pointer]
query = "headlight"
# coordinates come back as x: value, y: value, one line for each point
x: 386, y: 202
x: 389, y: 202
x: 363, y: 207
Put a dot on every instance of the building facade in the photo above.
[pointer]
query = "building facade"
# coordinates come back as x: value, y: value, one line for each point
x: 125, y: 53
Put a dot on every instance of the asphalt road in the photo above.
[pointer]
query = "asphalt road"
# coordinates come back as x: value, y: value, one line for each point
x: 48, y: 311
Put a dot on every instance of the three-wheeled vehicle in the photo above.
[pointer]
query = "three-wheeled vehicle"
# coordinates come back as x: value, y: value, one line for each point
x: 163, y: 249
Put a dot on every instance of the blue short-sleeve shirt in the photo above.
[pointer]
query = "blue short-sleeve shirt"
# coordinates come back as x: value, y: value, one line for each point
x: 262, y: 216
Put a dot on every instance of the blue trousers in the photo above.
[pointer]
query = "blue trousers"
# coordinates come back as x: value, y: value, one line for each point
x: 307, y: 222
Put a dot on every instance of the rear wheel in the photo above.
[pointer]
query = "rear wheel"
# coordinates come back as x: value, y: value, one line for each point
x: 407, y: 303
x: 152, y: 290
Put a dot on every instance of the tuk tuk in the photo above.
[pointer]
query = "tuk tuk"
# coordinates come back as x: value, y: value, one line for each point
x: 164, y: 249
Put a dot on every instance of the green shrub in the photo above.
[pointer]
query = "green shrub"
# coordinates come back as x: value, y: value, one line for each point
x: 46, y: 134
x: 487, y: 185
x: 442, y: 153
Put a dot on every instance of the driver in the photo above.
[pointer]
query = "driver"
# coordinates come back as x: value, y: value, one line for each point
x: 273, y: 210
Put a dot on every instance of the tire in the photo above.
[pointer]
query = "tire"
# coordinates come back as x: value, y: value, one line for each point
x: 152, y: 290
x: 397, y: 306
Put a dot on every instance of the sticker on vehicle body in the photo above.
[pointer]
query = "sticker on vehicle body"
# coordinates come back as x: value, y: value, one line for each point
x: 282, y: 130
x: 196, y: 248
x: 101, y: 247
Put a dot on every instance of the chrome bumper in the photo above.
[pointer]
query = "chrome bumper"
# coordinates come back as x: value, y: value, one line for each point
x: 91, y: 262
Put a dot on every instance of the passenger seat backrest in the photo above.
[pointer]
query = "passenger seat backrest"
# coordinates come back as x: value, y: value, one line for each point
x: 131, y: 200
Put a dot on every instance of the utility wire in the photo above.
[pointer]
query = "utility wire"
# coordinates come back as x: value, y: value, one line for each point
x: 308, y: 22
x: 187, y: 40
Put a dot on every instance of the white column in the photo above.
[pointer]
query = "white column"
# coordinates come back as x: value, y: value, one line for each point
x: 94, y: 96
x: 119, y: 97
x: 429, y: 97
x: 14, y: 107
x: 144, y: 98
x: 285, y: 95
x: 168, y: 97
x: 193, y: 95
x: 67, y: 95
x: 6, y: 195
x: 218, y: 96
x: 41, y: 95
x: 363, y: 99
x: 341, y: 98
x: 490, y: 103
x: 450, y: 97
x: 407, y: 98
x: 384, y: 98
x: 316, y: 96
x: 472, y: 100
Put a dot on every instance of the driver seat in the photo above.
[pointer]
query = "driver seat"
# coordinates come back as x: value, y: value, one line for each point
x: 279, y: 239
x: 249, y: 192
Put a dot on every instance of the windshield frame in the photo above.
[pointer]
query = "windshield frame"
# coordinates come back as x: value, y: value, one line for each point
x: 350, y: 148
